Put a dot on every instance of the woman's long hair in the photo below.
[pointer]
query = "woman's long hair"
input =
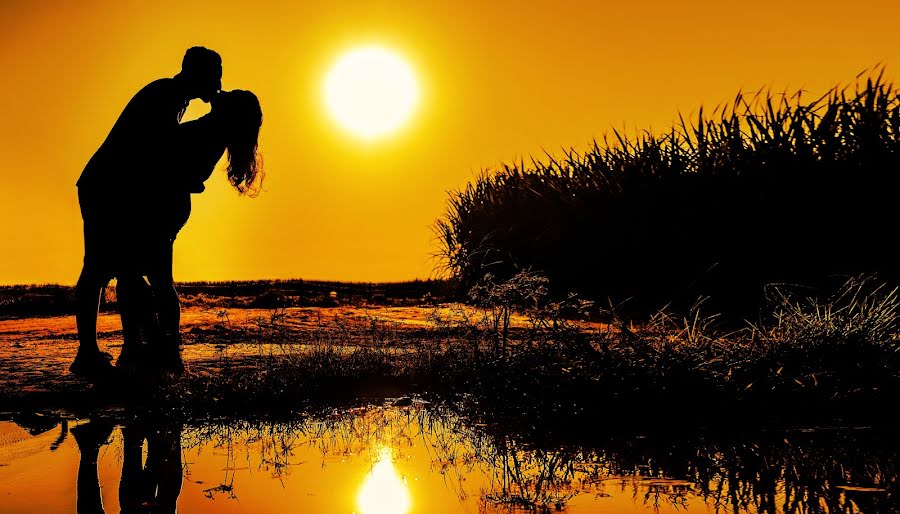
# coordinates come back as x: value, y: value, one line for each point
x: 243, y: 118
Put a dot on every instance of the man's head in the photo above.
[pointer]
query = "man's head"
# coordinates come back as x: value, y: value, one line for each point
x: 201, y: 70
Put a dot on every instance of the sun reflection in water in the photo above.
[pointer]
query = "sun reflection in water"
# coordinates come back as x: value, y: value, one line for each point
x: 383, y: 491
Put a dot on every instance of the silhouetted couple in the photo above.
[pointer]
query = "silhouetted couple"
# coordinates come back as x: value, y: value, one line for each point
x: 135, y: 195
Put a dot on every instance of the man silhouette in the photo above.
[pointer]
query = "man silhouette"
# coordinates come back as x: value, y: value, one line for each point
x: 111, y: 190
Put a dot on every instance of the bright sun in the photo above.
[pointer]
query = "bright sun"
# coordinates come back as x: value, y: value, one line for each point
x: 371, y: 92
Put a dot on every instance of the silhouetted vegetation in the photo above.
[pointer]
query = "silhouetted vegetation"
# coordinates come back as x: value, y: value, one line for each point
x: 806, y: 357
x: 769, y: 188
x: 36, y: 300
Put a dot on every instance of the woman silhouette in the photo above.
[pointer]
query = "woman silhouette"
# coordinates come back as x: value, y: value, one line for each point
x: 232, y: 125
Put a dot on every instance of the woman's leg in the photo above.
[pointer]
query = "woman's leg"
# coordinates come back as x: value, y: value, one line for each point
x: 132, y: 484
x: 138, y: 319
x: 168, y: 310
x: 164, y: 449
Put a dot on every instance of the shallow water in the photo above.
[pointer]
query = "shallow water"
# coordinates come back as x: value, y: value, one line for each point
x: 422, y: 459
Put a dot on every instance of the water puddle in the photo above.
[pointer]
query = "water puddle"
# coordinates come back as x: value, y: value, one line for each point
x: 422, y: 459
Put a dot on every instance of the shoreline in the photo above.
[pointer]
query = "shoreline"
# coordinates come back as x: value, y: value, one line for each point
x: 271, y: 363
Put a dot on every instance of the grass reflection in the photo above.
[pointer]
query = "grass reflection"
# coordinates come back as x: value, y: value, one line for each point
x: 768, y: 472
x: 380, y: 458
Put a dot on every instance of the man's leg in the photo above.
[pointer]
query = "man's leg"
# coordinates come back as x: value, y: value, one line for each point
x: 88, y: 290
x: 90, y: 360
x: 95, y: 275
x: 90, y: 437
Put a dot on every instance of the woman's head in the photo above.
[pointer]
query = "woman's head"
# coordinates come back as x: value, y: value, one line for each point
x: 242, y: 116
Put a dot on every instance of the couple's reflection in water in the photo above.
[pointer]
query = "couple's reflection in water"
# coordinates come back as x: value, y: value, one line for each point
x: 146, y: 486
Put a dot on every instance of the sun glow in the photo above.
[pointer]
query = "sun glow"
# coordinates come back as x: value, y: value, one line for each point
x: 371, y: 92
x: 383, y: 491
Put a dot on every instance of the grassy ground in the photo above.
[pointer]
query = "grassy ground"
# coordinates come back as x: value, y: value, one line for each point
x: 517, y: 354
x: 806, y: 356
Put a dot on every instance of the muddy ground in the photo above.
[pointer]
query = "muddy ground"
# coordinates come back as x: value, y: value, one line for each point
x: 35, y: 353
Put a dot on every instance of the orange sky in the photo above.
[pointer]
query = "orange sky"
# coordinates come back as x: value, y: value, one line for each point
x: 499, y: 80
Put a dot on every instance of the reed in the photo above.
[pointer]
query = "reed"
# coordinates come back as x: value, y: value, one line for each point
x: 770, y: 187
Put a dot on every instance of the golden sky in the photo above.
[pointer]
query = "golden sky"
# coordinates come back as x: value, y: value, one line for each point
x: 499, y: 81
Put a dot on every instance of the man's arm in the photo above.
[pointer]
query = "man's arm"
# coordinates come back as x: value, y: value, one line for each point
x: 157, y: 110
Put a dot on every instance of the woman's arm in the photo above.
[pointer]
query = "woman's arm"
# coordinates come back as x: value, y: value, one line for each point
x: 198, y: 147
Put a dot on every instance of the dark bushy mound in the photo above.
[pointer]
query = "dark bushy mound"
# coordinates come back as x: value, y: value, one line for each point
x: 772, y: 188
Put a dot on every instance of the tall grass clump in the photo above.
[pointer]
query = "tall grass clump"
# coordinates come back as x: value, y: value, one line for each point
x: 843, y: 346
x: 767, y: 188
